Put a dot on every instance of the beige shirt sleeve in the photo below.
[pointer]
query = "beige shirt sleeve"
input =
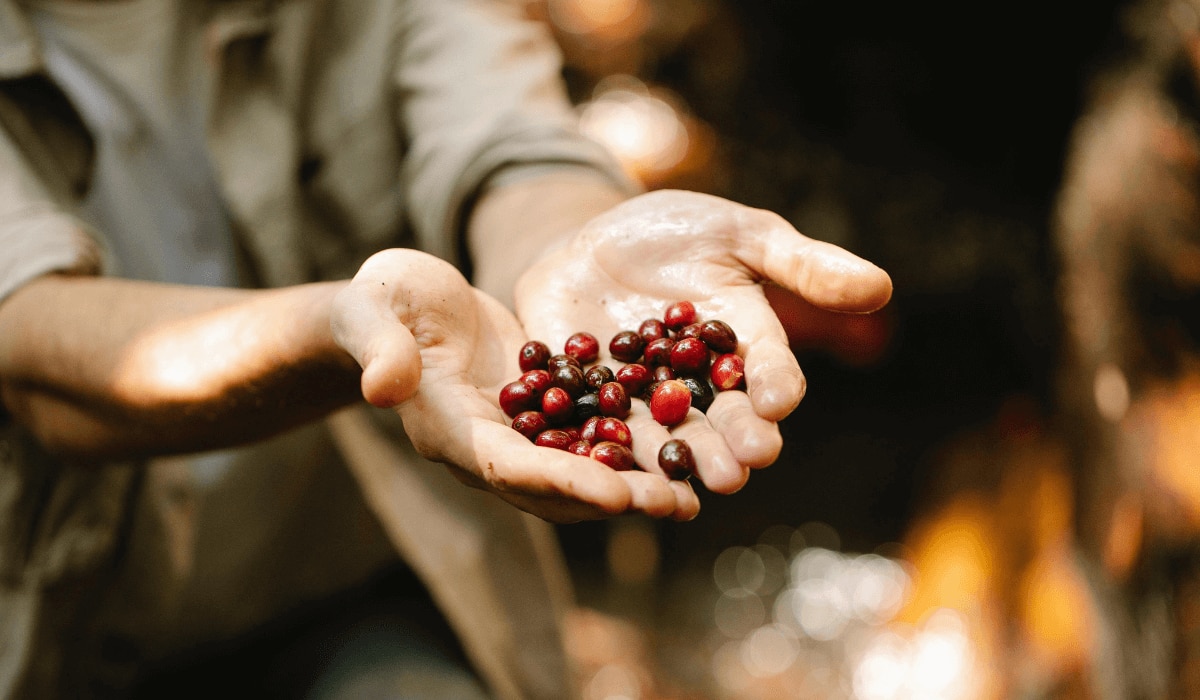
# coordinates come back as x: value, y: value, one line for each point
x: 481, y: 91
x: 36, y: 235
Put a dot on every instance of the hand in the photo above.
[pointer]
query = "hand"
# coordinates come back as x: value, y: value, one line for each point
x: 439, y: 351
x: 628, y: 264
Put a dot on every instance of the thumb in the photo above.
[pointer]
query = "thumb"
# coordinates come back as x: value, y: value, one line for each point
x: 371, y: 332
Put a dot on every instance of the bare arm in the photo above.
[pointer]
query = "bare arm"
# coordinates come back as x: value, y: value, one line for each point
x: 103, y: 368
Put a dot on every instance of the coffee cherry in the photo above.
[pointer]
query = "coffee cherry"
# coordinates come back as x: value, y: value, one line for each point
x: 583, y: 347
x: 626, y: 346
x: 676, y: 460
x: 692, y: 330
x: 728, y: 372
x: 588, y: 431
x: 533, y: 355
x: 613, y: 430
x: 649, y: 392
x: 670, y: 402
x: 557, y: 439
x: 583, y: 448
x: 557, y: 405
x: 635, y: 378
x: 718, y: 336
x: 516, y: 397
x: 597, y: 376
x: 679, y: 314
x: 572, y: 433
x: 662, y: 373
x: 652, y: 329
x: 538, y: 380
x: 586, y: 406
x: 702, y: 393
x: 530, y: 424
x: 615, y: 456
x: 658, y: 352
x: 690, y: 356
x: 570, y: 379
x: 614, y: 401
x: 560, y: 360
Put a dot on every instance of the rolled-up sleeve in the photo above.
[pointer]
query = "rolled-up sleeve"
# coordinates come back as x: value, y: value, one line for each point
x: 480, y: 91
x: 36, y: 235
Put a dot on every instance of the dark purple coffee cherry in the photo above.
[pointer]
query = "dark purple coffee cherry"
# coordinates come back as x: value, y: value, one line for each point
x: 676, y: 460
x: 626, y: 346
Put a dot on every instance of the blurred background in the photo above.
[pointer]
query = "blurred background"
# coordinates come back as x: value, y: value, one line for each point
x: 911, y: 540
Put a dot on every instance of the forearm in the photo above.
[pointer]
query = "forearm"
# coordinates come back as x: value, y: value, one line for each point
x: 513, y: 225
x: 106, y: 368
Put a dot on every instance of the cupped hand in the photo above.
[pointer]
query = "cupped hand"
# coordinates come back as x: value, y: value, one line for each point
x: 630, y: 263
x: 439, y: 351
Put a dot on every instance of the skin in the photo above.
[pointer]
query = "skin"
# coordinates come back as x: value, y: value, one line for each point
x: 92, y: 365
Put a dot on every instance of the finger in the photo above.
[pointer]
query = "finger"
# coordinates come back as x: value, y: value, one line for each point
x: 648, y: 437
x: 718, y: 469
x: 857, y: 339
x: 687, y: 503
x: 823, y: 274
x: 753, y: 441
x: 364, y: 324
x: 652, y: 493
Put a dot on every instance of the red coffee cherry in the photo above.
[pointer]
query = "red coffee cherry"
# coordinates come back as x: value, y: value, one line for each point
x: 516, y: 397
x: 583, y: 448
x: 626, y: 346
x: 597, y: 376
x: 670, y: 402
x: 614, y: 401
x: 692, y: 330
x: 557, y: 405
x: 662, y: 373
x: 679, y: 314
x: 588, y: 431
x: 652, y: 329
x: 618, y: 457
x: 560, y: 360
x: 583, y: 347
x: 530, y: 424
x: 613, y: 430
x: 676, y: 460
x: 635, y: 378
x: 538, y: 380
x: 557, y: 439
x: 728, y: 372
x: 718, y: 336
x: 658, y: 352
x: 690, y: 356
x: 572, y: 433
x: 533, y: 355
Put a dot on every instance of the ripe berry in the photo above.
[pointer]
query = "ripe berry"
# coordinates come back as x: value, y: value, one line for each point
x: 676, y: 460
x: 597, y: 376
x: 569, y: 378
x: 583, y: 448
x: 670, y: 402
x: 516, y: 397
x: 702, y: 393
x: 557, y: 405
x: 572, y: 433
x: 588, y: 431
x: 689, y: 356
x: 679, y: 314
x: 617, y: 457
x: 718, y: 336
x: 583, y: 347
x: 662, y: 373
x: 614, y: 401
x: 626, y: 346
x: 652, y: 329
x: 557, y: 439
x: 533, y: 355
x: 658, y: 352
x: 538, y: 380
x: 728, y: 372
x: 692, y: 330
x: 586, y: 406
x: 613, y: 430
x: 560, y: 360
x: 635, y: 378
x: 530, y: 423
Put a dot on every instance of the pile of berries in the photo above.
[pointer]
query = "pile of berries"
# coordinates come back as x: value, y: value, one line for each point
x: 571, y: 402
